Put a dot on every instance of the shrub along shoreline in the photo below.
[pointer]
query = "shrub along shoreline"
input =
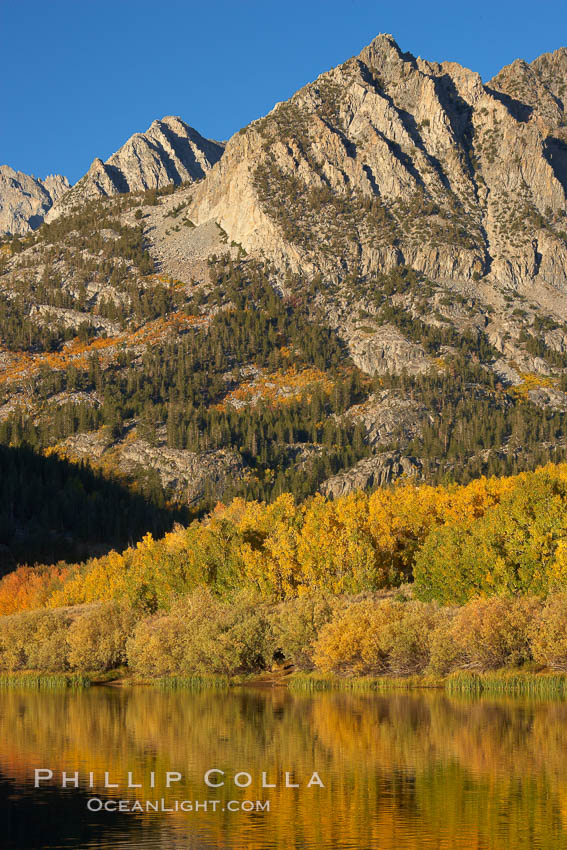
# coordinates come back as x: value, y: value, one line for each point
x: 374, y: 641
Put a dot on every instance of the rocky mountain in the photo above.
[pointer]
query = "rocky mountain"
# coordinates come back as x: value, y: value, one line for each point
x: 369, y: 283
x: 390, y: 160
x: 168, y: 152
x: 24, y: 200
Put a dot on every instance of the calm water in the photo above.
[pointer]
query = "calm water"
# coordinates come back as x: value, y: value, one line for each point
x: 401, y: 771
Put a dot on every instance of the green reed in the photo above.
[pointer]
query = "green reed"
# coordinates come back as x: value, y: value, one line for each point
x: 44, y: 681
x: 504, y: 683
x: 323, y: 682
x: 192, y: 683
x: 523, y: 684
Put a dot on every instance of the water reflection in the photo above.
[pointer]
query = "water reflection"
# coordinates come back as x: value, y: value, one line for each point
x: 401, y: 771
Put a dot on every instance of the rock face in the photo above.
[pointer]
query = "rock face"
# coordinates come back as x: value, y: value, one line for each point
x: 168, y: 152
x: 187, y: 477
x: 390, y: 160
x: 371, y: 472
x: 386, y: 351
x: 24, y: 200
x: 387, y: 416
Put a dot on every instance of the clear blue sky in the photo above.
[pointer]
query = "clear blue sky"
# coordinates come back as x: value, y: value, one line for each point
x: 80, y: 76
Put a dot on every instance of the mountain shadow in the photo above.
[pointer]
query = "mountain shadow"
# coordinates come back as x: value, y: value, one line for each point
x: 52, y: 509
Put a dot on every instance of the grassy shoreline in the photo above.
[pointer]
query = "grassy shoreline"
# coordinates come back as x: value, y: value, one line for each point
x: 542, y: 683
x: 44, y: 681
x: 506, y: 682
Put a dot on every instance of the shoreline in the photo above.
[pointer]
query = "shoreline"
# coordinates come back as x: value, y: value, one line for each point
x: 543, y: 683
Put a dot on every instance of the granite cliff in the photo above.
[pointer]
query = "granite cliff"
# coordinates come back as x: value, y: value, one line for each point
x: 24, y: 200
x: 390, y: 160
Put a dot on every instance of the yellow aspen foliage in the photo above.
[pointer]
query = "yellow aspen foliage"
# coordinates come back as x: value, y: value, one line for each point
x: 558, y: 567
x: 515, y: 547
x: 492, y: 536
x: 334, y: 547
x: 101, y: 581
x: 268, y: 547
x: 28, y: 588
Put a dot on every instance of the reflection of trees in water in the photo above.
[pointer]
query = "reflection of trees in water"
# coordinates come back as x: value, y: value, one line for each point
x: 398, y: 768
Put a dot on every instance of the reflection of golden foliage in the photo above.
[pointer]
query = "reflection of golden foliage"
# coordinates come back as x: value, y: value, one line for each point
x: 400, y: 771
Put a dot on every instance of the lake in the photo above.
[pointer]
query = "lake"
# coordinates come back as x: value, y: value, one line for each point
x: 362, y: 771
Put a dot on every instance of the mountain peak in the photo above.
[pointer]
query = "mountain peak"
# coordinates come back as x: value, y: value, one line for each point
x: 169, y: 151
x: 384, y: 45
x: 536, y: 88
x: 400, y: 161
x: 385, y: 38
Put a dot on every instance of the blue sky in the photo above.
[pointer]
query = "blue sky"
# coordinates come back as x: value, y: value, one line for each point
x: 80, y: 76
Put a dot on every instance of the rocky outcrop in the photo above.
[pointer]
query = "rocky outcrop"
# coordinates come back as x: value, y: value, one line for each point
x: 390, y: 160
x: 25, y: 200
x: 387, y: 416
x: 168, y: 152
x: 536, y: 88
x: 549, y: 397
x: 384, y: 350
x: 186, y: 477
x: 372, y: 472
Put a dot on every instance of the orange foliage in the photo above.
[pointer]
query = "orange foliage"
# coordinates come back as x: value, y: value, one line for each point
x: 28, y: 588
x: 22, y: 364
x: 281, y: 387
